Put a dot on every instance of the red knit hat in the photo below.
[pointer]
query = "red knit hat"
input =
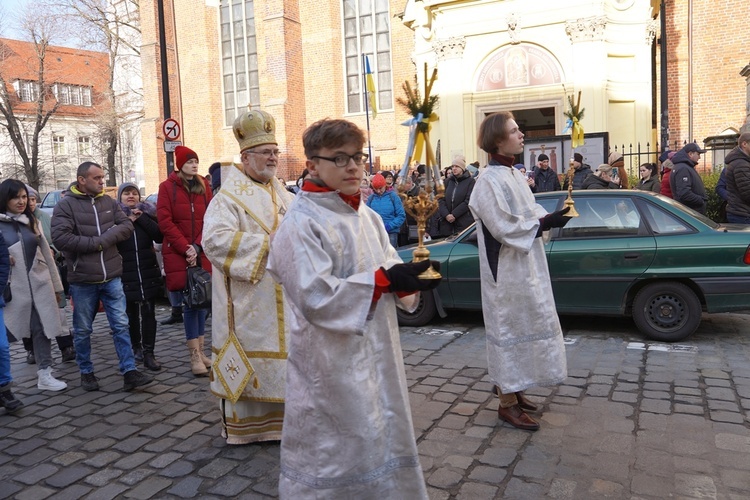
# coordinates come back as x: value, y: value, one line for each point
x: 181, y: 155
x: 378, y: 181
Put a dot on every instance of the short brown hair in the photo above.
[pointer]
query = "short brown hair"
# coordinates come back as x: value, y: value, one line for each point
x: 493, y: 131
x: 329, y: 133
x: 744, y: 137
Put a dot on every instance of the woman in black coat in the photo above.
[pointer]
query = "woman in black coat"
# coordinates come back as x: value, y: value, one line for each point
x: 453, y: 208
x: 141, y: 275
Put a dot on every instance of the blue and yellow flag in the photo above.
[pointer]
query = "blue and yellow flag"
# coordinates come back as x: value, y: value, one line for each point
x: 370, y: 83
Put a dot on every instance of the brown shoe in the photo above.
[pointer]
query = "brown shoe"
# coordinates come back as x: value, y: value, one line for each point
x: 524, y: 403
x: 516, y: 417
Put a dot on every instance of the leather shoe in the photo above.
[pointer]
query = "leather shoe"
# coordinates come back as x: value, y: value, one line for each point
x: 516, y: 417
x: 524, y: 403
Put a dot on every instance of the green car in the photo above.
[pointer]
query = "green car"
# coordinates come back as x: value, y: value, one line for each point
x: 629, y: 253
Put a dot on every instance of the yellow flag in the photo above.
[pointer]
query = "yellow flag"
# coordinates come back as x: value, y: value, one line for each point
x: 370, y: 83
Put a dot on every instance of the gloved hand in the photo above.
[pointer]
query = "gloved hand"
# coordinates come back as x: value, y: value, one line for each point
x: 404, y: 277
x: 555, y: 219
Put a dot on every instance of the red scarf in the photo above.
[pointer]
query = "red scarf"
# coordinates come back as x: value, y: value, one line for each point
x: 316, y: 186
x: 502, y: 159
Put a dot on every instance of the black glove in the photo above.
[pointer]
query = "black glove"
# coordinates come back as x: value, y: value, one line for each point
x: 404, y: 277
x: 555, y: 219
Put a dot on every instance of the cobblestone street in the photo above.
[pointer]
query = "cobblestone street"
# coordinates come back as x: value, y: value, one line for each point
x: 634, y: 420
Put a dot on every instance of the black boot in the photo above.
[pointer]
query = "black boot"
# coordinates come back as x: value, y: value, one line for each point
x: 149, y: 361
x: 176, y: 316
x: 8, y: 400
x: 29, y: 346
x: 138, y: 354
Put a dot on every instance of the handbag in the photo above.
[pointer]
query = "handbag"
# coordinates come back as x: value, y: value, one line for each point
x: 197, y: 292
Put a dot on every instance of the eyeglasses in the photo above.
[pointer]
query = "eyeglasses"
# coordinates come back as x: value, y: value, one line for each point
x: 342, y: 160
x: 266, y: 152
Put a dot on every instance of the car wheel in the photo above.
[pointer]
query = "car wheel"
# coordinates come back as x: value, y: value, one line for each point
x: 425, y: 311
x: 666, y: 311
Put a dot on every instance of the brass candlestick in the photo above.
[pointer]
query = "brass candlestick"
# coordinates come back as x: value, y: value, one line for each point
x: 421, y: 207
x: 569, y: 203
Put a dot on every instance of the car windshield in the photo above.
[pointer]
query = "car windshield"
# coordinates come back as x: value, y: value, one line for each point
x: 51, y: 199
x: 689, y: 210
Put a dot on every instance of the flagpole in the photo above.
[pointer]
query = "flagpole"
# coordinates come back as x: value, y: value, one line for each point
x: 367, y: 110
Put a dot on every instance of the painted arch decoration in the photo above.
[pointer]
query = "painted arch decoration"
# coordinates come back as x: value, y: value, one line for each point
x: 521, y: 65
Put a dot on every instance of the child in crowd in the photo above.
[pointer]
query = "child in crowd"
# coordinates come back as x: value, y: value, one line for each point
x: 347, y: 425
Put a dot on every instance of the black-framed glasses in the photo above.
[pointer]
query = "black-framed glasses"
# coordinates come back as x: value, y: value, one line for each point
x: 342, y: 160
x: 266, y: 152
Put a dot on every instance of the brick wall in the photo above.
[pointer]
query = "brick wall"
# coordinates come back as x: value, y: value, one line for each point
x: 719, y: 54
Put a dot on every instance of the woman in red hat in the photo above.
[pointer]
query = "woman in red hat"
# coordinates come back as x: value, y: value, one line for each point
x: 181, y: 205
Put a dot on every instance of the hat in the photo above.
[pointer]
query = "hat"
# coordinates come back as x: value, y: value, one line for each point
x: 459, y: 162
x: 693, y: 148
x: 181, y: 155
x: 126, y: 185
x: 605, y: 167
x: 385, y: 173
x: 519, y: 166
x: 671, y: 155
x: 30, y: 191
x: 378, y: 181
x: 542, y: 157
x: 215, y: 171
x: 664, y: 156
x: 578, y: 157
x: 614, y: 157
x: 253, y: 128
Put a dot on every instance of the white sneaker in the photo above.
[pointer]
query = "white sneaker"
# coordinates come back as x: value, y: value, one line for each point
x: 49, y: 383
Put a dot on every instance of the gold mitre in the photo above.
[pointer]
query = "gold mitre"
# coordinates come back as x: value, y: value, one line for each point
x: 253, y: 128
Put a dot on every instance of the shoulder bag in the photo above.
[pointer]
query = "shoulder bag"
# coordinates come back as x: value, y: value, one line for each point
x: 197, y: 292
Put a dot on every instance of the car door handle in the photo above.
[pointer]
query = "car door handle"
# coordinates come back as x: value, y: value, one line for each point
x: 632, y: 256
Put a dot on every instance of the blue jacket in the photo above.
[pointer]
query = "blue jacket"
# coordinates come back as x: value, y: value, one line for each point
x: 389, y: 207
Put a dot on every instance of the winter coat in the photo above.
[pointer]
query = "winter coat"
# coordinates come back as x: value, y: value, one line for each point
x: 180, y: 216
x: 389, y: 207
x: 738, y: 182
x: 33, y: 279
x: 141, y: 275
x: 596, y: 182
x: 685, y: 183
x: 87, y: 229
x: 456, y: 202
x: 666, y: 189
x: 545, y: 181
x: 579, y: 176
x: 653, y: 184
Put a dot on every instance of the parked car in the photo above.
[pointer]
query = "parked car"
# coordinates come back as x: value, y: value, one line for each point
x: 50, y: 200
x: 629, y: 253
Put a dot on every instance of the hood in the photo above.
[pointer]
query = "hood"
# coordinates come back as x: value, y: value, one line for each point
x: 682, y: 157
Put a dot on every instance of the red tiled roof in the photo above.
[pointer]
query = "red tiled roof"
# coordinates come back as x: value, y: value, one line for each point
x: 18, y: 61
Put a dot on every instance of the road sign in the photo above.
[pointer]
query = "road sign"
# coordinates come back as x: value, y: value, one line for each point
x: 170, y: 145
x: 171, y: 129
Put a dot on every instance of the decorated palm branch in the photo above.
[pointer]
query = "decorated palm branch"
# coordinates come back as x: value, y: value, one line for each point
x: 574, y: 115
x: 424, y: 204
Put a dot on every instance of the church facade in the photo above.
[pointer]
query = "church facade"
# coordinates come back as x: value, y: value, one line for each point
x: 301, y: 60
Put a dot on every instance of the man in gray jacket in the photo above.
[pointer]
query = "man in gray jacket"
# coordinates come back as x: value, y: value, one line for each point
x: 86, y: 226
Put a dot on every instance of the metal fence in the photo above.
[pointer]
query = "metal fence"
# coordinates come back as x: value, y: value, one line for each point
x: 716, y: 150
